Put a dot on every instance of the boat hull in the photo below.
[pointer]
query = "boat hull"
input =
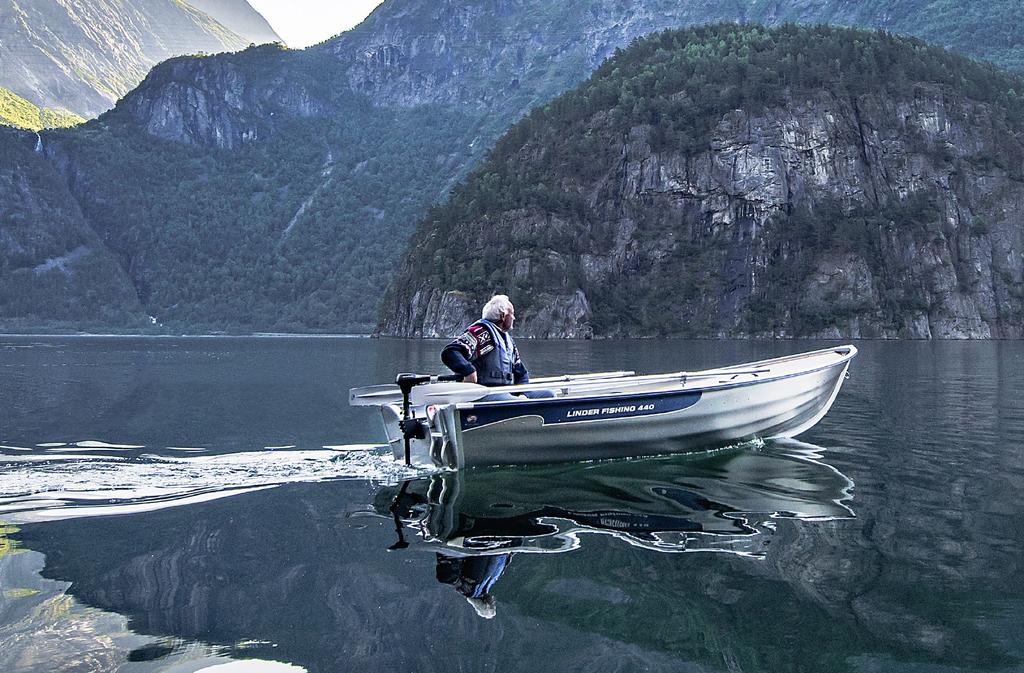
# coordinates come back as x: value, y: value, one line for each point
x: 544, y: 431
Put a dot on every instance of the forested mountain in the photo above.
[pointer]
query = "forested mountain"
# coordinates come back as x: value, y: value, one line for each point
x: 59, y: 273
x: 731, y: 181
x: 83, y: 56
x: 275, y: 189
x: 265, y: 214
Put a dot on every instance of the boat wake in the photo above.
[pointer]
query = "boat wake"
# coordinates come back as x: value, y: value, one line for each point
x: 89, y: 478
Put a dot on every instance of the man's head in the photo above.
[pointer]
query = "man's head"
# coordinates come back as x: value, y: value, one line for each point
x: 500, y: 311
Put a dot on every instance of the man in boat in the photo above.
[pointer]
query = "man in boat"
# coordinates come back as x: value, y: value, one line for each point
x: 485, y: 353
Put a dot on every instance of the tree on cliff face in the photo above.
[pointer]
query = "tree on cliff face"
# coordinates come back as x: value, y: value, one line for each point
x: 735, y: 180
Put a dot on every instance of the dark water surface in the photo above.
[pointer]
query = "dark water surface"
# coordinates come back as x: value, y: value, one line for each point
x: 213, y: 504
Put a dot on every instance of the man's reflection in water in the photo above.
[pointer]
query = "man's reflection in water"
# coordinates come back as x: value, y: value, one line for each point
x: 473, y: 577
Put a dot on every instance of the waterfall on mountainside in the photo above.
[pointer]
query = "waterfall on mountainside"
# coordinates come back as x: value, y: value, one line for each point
x: 39, y: 142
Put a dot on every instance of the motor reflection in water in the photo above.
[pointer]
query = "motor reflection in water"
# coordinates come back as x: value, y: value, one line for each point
x: 727, y: 502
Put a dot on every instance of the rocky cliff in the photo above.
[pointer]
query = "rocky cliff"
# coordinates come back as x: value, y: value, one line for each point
x: 880, y: 197
x: 227, y: 101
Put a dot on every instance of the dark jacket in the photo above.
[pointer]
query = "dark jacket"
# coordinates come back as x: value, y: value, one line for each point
x: 479, y: 349
x: 472, y: 576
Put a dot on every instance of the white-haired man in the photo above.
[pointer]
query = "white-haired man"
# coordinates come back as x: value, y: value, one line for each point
x: 486, y: 353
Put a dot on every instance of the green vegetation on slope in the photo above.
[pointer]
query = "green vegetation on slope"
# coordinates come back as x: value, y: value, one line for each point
x: 20, y: 113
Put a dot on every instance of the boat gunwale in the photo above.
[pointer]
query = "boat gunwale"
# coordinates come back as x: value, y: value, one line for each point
x: 844, y: 359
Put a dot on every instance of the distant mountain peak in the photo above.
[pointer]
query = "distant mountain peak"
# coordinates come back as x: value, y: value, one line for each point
x: 239, y: 17
x: 83, y: 56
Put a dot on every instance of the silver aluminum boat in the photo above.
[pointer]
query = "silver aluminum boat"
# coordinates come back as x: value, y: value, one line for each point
x: 435, y: 421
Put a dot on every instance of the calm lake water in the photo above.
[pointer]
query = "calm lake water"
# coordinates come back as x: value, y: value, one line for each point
x: 186, y: 504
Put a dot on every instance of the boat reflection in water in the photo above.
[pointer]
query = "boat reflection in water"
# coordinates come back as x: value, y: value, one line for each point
x: 726, y: 502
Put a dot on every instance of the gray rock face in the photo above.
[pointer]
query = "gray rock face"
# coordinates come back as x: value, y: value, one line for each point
x: 478, y: 54
x: 939, y: 176
x: 216, y: 102
x: 450, y: 312
x: 523, y: 52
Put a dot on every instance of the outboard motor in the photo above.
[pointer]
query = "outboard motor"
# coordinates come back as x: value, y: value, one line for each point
x: 413, y: 428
